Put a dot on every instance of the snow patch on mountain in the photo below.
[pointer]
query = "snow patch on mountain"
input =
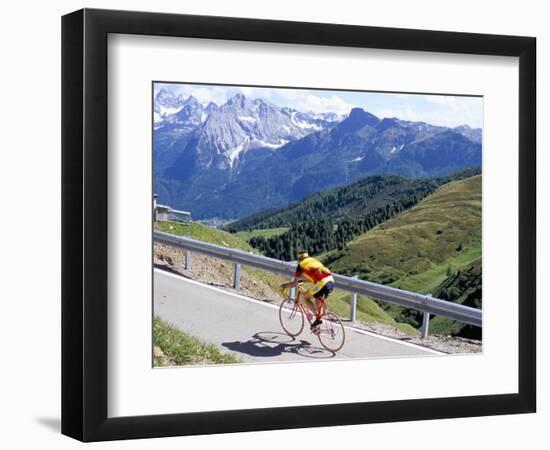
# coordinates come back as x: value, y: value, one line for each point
x: 264, y: 144
x: 233, y: 154
x: 248, y: 119
x: 243, y: 124
x: 304, y: 125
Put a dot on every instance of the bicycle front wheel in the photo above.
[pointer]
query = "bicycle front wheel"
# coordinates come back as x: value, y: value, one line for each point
x: 331, y: 333
x: 291, y: 317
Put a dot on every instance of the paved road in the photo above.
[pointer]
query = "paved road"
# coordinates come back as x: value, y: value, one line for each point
x: 250, y: 329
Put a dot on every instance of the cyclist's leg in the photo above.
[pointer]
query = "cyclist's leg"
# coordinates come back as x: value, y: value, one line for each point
x: 312, y: 295
x: 320, y: 297
x: 319, y: 305
x: 309, y: 302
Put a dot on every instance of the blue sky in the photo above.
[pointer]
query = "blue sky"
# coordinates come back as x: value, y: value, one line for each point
x: 446, y: 110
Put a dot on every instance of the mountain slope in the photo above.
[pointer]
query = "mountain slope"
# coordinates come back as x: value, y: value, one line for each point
x: 247, y: 154
x: 437, y: 155
x: 463, y: 286
x: 175, y: 118
x: 242, y: 124
x: 414, y: 250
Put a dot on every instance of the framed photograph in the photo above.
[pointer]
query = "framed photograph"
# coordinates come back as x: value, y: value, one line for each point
x: 250, y: 204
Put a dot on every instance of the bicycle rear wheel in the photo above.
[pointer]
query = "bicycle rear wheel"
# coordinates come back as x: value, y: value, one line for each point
x: 331, y: 333
x: 291, y: 317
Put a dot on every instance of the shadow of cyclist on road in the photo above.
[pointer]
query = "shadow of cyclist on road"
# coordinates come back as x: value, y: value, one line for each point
x: 269, y: 344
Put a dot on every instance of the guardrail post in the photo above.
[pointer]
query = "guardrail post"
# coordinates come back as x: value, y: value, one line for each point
x: 425, y: 324
x: 188, y: 260
x: 237, y: 276
x: 426, y: 321
x: 353, y: 306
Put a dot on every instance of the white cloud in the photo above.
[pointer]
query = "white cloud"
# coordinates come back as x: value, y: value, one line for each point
x: 294, y: 98
x: 443, y: 100
x: 403, y: 112
x: 457, y: 110
x: 255, y: 92
x: 328, y: 104
x: 446, y: 116
x: 204, y: 94
x: 305, y: 101
x: 442, y: 110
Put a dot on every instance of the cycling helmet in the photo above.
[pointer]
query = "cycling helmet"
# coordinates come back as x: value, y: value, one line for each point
x: 302, y: 255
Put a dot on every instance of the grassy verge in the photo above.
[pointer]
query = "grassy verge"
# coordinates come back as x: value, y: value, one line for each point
x: 368, y: 310
x: 204, y: 233
x: 178, y: 348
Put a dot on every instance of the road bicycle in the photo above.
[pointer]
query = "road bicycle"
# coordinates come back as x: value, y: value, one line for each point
x: 331, y: 332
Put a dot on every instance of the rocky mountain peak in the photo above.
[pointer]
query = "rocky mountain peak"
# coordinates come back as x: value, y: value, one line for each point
x: 244, y: 148
x: 358, y: 118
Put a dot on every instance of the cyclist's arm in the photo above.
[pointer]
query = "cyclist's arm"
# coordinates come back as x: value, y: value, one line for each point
x: 298, y: 275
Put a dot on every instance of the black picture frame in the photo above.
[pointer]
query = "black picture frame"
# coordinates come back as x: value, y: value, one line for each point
x: 84, y: 224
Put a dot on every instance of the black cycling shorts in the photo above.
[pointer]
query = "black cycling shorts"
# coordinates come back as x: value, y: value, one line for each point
x: 325, y: 290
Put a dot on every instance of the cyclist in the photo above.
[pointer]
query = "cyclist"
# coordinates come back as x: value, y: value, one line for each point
x: 323, y: 283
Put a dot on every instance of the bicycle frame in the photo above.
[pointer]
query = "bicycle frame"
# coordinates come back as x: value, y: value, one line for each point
x: 298, y: 302
x: 329, y: 326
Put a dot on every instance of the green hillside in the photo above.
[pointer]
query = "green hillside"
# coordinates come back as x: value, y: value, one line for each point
x: 417, y: 249
x: 330, y: 219
x: 265, y: 233
x: 350, y: 201
x: 204, y: 233
x: 463, y: 286
x: 343, y: 202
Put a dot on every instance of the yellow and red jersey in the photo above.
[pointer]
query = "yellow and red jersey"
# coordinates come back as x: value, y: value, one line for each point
x: 312, y: 270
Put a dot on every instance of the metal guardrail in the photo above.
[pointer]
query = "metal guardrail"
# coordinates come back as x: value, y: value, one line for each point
x: 425, y: 303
